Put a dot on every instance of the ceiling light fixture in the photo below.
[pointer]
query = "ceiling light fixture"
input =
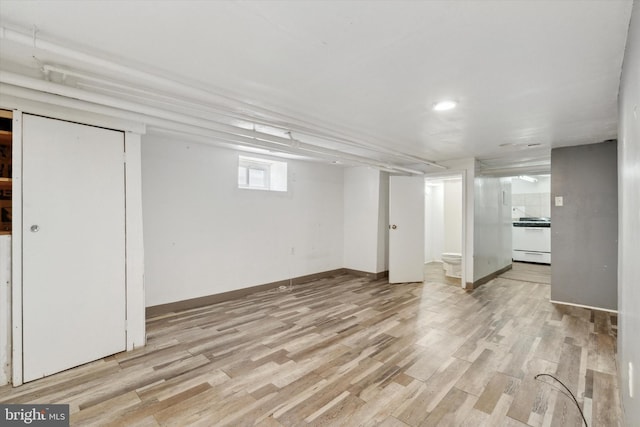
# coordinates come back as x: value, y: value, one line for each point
x: 527, y: 178
x: 445, y: 105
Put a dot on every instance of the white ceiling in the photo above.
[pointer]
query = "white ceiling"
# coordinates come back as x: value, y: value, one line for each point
x: 523, y: 72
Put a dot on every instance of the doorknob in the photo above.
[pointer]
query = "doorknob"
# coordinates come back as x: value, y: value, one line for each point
x: 35, y: 228
x: 393, y: 227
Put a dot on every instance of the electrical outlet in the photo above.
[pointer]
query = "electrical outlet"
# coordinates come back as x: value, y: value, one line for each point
x: 630, y: 379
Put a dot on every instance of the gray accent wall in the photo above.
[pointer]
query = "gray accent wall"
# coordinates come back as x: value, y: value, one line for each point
x: 584, y: 231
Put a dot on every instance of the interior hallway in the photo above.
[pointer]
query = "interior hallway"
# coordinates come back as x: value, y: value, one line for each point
x: 352, y: 351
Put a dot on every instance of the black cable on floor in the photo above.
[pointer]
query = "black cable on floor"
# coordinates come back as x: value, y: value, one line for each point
x: 566, y: 388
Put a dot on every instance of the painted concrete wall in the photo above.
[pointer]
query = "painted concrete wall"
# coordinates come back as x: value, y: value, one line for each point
x: 205, y: 236
x: 383, y: 224
x: 366, y: 219
x: 629, y: 222
x: 5, y: 309
x: 492, y: 226
x: 584, y: 230
x: 443, y: 218
x: 453, y: 216
x: 361, y: 218
x: 136, y: 316
x: 434, y: 221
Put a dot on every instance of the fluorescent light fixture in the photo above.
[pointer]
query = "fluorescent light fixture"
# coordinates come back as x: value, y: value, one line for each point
x: 445, y: 105
x: 528, y: 178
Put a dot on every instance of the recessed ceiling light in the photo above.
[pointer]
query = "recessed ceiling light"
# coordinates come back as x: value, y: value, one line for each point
x: 445, y: 105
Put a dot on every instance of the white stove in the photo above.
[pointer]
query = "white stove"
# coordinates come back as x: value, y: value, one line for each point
x: 532, y: 240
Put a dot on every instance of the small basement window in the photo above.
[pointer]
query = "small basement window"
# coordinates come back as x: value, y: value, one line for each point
x: 262, y: 174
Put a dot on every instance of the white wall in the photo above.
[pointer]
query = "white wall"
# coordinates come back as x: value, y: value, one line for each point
x: 361, y: 218
x: 434, y: 220
x: 453, y: 216
x: 531, y: 198
x: 365, y: 211
x: 136, y: 319
x: 493, y: 226
x: 443, y: 217
x: 383, y: 224
x: 542, y: 185
x: 205, y: 236
x: 5, y: 309
x: 629, y: 221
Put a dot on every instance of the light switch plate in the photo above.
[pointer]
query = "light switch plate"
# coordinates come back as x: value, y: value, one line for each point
x: 559, y: 201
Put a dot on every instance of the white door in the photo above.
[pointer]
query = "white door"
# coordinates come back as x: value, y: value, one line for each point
x: 406, y: 229
x: 73, y: 245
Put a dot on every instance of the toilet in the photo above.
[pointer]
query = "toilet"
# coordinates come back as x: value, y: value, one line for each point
x: 451, y: 262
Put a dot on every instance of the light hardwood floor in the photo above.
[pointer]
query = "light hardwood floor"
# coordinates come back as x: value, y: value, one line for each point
x: 433, y: 272
x: 350, y: 351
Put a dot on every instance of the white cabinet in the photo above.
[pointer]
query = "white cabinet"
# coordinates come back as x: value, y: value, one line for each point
x: 532, y: 244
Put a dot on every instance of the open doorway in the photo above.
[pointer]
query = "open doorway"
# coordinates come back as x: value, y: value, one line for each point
x: 444, y: 229
x: 531, y: 216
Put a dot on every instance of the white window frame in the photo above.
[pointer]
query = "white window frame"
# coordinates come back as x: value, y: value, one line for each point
x: 268, y: 167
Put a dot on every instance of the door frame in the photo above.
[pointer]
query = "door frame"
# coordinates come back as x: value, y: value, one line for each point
x: 463, y: 174
x: 134, y: 250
